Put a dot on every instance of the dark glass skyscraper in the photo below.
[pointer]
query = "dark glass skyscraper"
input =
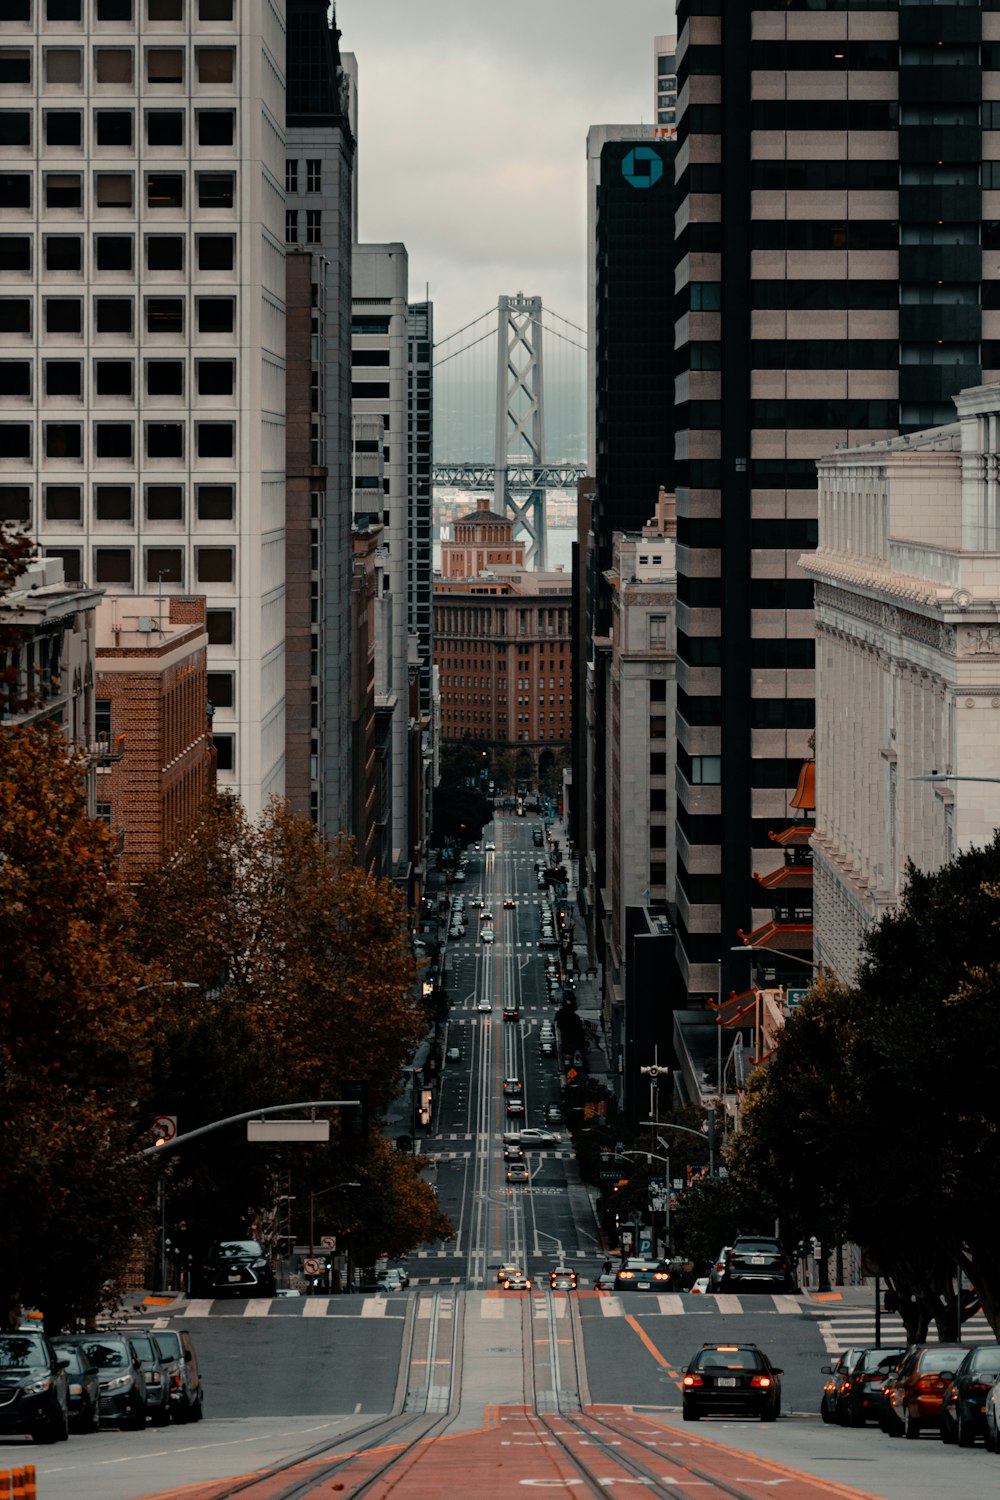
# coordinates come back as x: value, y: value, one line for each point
x: 833, y: 208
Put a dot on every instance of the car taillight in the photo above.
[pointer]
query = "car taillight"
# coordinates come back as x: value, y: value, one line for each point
x: 878, y: 1376
x: 760, y: 1382
x: 845, y: 1386
x: 661, y: 1276
x: 979, y: 1386
x: 690, y: 1380
x: 627, y: 1275
x: 927, y: 1382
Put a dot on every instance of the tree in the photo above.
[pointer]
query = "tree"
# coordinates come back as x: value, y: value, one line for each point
x: 879, y: 1116
x: 395, y: 1209
x: 460, y: 815
x: 305, y: 986
x: 74, y: 1039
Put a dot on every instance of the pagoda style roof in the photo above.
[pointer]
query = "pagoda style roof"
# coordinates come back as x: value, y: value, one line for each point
x: 787, y: 937
x: 787, y: 878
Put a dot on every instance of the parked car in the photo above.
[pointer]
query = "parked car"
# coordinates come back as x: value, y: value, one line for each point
x: 731, y: 1379
x: 547, y: 1047
x: 920, y: 1384
x: 756, y: 1262
x: 187, y: 1394
x: 121, y: 1376
x: 34, y: 1390
x: 156, y: 1373
x: 963, y: 1406
x: 236, y: 1268
x: 699, y: 1286
x: 991, y: 1418
x: 718, y: 1270
x: 836, y: 1374
x: 83, y: 1395
x: 391, y: 1280
x: 862, y: 1392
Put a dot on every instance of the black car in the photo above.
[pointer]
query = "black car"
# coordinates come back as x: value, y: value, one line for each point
x: 860, y: 1398
x: 511, y: 1013
x: 122, y: 1379
x: 156, y: 1372
x: 83, y: 1387
x: 639, y: 1274
x: 236, y: 1268
x: 963, y: 1409
x: 34, y: 1391
x: 186, y: 1393
x: 757, y: 1263
x: 731, y: 1379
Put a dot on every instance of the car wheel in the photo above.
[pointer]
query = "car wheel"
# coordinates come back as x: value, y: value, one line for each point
x: 856, y: 1416
x: 690, y: 1415
x: 911, y: 1427
x: 62, y: 1428
x: 990, y: 1438
x: 965, y: 1435
x: 843, y: 1416
x: 824, y: 1410
x: 770, y: 1414
x: 198, y: 1409
x: 46, y: 1435
x: 136, y: 1419
x: 161, y: 1416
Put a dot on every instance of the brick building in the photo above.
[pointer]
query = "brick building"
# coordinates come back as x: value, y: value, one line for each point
x: 151, y: 709
x: 502, y: 638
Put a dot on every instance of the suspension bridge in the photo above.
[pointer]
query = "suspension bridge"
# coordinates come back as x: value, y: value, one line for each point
x: 469, y: 400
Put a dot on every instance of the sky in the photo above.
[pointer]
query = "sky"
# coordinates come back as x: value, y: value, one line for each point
x: 472, y: 136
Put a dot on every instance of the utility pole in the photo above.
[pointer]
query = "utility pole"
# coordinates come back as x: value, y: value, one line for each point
x: 653, y: 1072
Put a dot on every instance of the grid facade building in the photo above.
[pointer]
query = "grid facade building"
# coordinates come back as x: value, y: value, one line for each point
x: 835, y: 196
x: 420, y: 436
x: 142, y: 311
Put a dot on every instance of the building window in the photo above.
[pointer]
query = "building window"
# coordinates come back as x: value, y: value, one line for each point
x: 215, y: 10
x: 62, y: 377
x: 164, y: 315
x: 214, y: 64
x: 113, y: 190
x: 113, y: 64
x: 102, y: 718
x: 63, y: 440
x: 291, y: 226
x: 165, y: 190
x: 215, y: 439
x: 164, y: 440
x: 216, y: 127
x: 113, y: 315
x: 113, y: 440
x: 63, y: 190
x: 164, y: 65
x: 314, y: 175
x: 216, y: 314
x: 164, y: 377
x: 113, y: 502
x: 657, y: 630
x: 164, y: 502
x: 113, y: 565
x: 216, y: 502
x: 63, y: 127
x: 62, y: 502
x: 706, y: 770
x: 15, y: 378
x: 113, y: 377
x: 113, y: 252
x: 165, y: 252
x: 314, y: 226
x: 221, y: 626
x: 216, y: 189
x: 15, y: 501
x: 164, y: 565
x: 215, y: 564
x: 63, y: 65
x: 215, y: 377
x: 72, y: 561
x: 216, y: 252
x: 222, y: 689
x: 225, y: 751
x: 113, y: 127
x: 291, y: 176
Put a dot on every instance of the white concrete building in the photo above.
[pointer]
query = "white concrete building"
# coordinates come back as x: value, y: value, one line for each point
x: 142, y: 306
x: 907, y: 577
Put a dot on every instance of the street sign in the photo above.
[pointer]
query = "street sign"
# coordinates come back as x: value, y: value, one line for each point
x: 288, y: 1130
x: 311, y: 1267
x: 794, y: 997
x: 329, y: 1242
x: 164, y: 1127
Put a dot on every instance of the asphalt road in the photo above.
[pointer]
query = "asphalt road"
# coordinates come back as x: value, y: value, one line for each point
x: 284, y: 1376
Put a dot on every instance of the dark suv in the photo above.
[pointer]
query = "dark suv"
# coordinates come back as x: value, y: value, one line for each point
x: 33, y: 1387
x: 757, y: 1263
x: 156, y: 1373
x: 236, y: 1268
x: 187, y: 1395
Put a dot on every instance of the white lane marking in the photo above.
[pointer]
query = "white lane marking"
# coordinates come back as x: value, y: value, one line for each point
x: 726, y: 1303
x: 198, y: 1307
x: 611, y: 1308
x: 671, y: 1305
x: 373, y: 1307
x: 787, y: 1304
x: 257, y: 1307
x: 491, y: 1307
x: 316, y: 1307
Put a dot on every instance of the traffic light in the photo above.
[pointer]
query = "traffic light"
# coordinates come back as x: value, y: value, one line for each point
x: 355, y: 1121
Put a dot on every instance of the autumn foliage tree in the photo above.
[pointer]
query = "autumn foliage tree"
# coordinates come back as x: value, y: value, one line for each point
x: 301, y: 983
x: 74, y: 1039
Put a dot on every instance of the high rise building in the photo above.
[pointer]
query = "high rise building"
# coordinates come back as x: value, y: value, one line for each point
x: 142, y: 389
x: 319, y: 196
x: 665, y: 81
x: 834, y: 202
x: 420, y: 439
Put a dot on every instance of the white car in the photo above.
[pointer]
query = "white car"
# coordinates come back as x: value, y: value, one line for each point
x: 490, y: 848
x: 485, y: 1007
x: 699, y: 1287
x: 459, y: 875
x: 533, y: 1136
x: 486, y: 934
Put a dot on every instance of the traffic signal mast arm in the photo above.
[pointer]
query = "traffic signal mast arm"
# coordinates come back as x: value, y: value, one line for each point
x: 251, y: 1114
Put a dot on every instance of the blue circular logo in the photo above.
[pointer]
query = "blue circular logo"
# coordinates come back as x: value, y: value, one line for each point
x: 642, y: 167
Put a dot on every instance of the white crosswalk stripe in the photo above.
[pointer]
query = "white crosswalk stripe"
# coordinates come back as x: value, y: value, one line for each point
x: 257, y: 1307
x: 611, y: 1307
x: 855, y: 1328
x: 374, y: 1307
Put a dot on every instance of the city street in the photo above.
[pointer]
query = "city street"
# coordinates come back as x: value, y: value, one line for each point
x: 294, y: 1384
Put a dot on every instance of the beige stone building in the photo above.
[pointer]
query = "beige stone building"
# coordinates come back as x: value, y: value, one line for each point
x: 907, y: 577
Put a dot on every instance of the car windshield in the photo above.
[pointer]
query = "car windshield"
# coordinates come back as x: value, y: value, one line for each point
x: 20, y: 1353
x: 107, y: 1354
x: 727, y: 1359
x: 234, y: 1249
x: 74, y: 1359
x: 756, y: 1247
x: 983, y: 1361
x: 873, y: 1358
x: 168, y: 1345
x: 939, y: 1359
x: 142, y: 1345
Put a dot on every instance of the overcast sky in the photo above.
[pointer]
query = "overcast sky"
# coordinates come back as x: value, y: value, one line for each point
x: 472, y: 136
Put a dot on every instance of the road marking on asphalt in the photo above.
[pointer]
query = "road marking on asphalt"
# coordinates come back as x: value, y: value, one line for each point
x: 198, y: 1307
x: 257, y: 1307
x: 610, y: 1308
x: 671, y: 1305
x: 645, y: 1339
x: 316, y: 1307
x: 726, y: 1303
x: 373, y: 1307
x: 787, y: 1304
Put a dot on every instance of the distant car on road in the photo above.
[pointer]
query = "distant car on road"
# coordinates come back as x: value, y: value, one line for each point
x: 862, y: 1391
x: 638, y: 1274
x: 484, y: 1007
x: 506, y: 1270
x: 515, y: 1106
x: 517, y: 1283
x: 605, y: 1281
x: 512, y: 1151
x: 533, y: 1136
x: 731, y: 1380
x: 512, y: 1085
x: 756, y: 1261
x: 236, y: 1268
x: 477, y: 901
x: 490, y: 847
x: 517, y: 1171
x: 563, y: 1279
x: 486, y: 935
x: 511, y: 1013
x: 509, y: 902
x: 392, y: 1280
x: 553, y: 1114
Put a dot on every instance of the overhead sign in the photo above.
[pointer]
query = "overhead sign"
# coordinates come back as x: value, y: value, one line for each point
x: 288, y: 1130
x: 164, y: 1127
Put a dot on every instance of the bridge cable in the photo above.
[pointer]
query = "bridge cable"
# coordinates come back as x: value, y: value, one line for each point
x: 466, y: 347
x: 490, y: 311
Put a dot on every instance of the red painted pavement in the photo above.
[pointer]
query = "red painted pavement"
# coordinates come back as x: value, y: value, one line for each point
x: 517, y: 1449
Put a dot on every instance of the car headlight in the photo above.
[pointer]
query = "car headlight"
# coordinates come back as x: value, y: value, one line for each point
x: 117, y: 1384
x: 152, y: 1377
x: 38, y: 1386
x: 260, y: 1262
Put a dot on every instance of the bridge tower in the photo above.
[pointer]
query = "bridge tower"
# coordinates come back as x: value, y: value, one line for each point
x: 520, y: 430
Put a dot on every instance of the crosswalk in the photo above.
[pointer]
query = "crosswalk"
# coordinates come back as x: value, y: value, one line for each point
x: 854, y: 1328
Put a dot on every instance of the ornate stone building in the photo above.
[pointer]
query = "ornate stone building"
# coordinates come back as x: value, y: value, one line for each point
x: 907, y: 577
